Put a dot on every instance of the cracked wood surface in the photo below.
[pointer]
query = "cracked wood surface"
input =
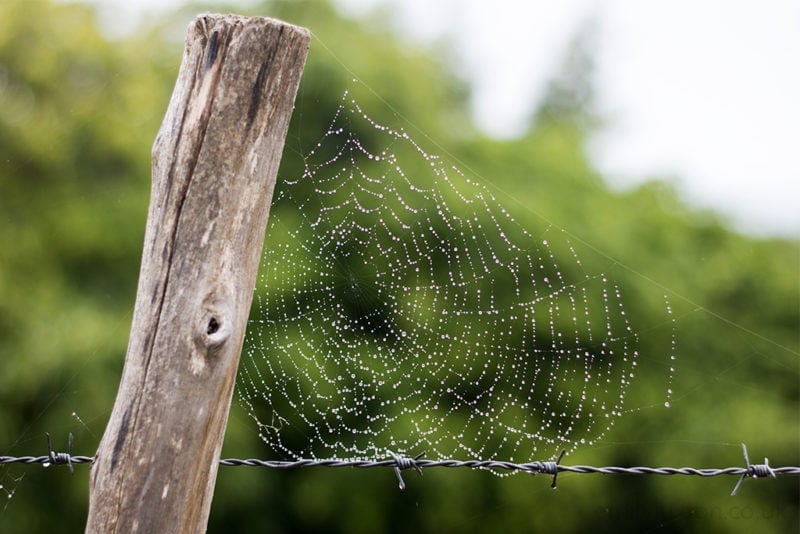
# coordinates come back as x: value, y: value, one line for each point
x: 215, y: 161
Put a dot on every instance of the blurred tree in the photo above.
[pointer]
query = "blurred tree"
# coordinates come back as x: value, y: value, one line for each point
x: 569, y: 97
x: 78, y: 113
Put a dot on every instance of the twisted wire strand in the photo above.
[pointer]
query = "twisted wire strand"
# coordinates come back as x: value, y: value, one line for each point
x: 400, y: 463
x: 61, y: 459
x: 533, y: 467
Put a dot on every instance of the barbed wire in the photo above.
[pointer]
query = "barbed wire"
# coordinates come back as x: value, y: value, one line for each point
x: 418, y: 463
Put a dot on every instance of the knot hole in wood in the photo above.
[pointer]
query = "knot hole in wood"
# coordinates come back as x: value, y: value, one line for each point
x: 213, y: 326
x: 214, y: 331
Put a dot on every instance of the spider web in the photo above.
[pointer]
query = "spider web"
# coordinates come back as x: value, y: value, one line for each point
x: 400, y: 308
x: 8, y: 487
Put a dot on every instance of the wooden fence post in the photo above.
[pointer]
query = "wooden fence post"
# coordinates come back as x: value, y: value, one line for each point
x: 215, y: 161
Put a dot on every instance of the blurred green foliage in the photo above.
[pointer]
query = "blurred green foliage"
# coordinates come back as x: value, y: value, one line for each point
x: 78, y: 113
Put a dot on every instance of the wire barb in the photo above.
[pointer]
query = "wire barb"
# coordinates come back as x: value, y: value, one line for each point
x: 60, y: 458
x: 753, y: 470
x: 403, y: 462
x: 552, y: 468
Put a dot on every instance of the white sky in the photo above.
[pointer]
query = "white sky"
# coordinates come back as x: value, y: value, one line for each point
x: 705, y: 91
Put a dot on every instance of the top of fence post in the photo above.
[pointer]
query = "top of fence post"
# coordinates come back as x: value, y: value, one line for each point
x: 215, y: 161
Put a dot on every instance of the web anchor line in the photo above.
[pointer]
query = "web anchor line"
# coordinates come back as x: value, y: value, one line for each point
x: 400, y: 463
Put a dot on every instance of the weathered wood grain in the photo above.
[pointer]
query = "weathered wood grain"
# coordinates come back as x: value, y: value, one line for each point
x: 215, y: 161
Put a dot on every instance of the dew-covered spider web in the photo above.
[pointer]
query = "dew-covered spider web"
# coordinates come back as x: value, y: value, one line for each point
x: 401, y: 309
x: 8, y: 487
